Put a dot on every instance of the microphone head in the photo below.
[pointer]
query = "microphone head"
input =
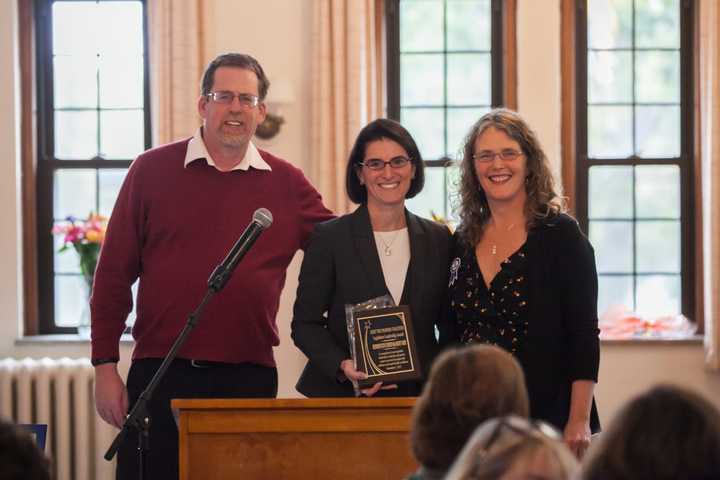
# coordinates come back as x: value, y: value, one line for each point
x: 263, y: 217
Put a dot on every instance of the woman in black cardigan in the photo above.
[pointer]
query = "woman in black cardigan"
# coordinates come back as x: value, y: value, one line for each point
x: 379, y: 249
x: 523, y: 275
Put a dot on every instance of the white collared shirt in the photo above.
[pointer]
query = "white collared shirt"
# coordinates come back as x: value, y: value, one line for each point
x: 196, y: 150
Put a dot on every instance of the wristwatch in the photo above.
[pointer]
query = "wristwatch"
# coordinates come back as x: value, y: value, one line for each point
x: 99, y: 361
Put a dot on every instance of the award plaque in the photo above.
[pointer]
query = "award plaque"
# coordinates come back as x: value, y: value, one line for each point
x: 384, y: 345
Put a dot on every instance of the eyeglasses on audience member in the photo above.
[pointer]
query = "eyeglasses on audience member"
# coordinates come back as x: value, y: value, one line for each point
x: 522, y: 427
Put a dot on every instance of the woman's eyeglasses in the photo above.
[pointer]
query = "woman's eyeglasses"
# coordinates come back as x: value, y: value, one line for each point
x: 488, y: 156
x: 377, y: 164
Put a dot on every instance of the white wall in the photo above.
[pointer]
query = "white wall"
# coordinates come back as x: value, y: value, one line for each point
x: 278, y: 33
x: 627, y: 369
x: 9, y: 141
x: 538, y: 70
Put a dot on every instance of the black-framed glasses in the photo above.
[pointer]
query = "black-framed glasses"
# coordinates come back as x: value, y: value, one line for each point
x: 507, y: 154
x: 377, y: 164
x: 225, y: 97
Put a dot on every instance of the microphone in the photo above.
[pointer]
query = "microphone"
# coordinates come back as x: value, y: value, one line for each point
x: 262, y: 219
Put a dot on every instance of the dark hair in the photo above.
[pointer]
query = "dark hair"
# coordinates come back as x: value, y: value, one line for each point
x: 377, y: 130
x: 668, y: 432
x: 20, y: 457
x: 237, y: 60
x: 466, y: 386
x: 542, y: 198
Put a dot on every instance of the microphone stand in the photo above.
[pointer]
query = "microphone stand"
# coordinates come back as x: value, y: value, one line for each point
x: 139, y: 418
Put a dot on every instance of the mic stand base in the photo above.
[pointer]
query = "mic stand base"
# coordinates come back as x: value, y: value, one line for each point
x: 143, y: 447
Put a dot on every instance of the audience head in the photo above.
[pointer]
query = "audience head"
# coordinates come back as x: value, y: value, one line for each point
x: 466, y: 386
x: 20, y: 457
x: 542, y: 198
x: 514, y: 448
x: 665, y: 433
x: 382, y: 129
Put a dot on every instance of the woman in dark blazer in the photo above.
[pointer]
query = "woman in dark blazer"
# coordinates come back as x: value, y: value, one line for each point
x: 523, y: 275
x: 379, y: 249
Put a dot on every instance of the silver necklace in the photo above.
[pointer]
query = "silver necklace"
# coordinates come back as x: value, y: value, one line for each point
x: 386, y: 245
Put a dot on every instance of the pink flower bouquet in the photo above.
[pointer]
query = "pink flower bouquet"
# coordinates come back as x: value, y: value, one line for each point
x: 86, y: 236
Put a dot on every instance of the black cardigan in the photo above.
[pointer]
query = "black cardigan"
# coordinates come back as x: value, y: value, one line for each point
x: 562, y: 343
x: 341, y: 266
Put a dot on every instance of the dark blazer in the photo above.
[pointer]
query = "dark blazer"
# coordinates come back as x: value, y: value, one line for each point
x: 341, y: 266
x: 562, y: 343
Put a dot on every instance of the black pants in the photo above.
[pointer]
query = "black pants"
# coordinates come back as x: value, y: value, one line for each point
x: 183, y: 380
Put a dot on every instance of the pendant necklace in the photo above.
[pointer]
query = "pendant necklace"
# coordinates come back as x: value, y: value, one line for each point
x: 387, y: 245
x: 493, y: 247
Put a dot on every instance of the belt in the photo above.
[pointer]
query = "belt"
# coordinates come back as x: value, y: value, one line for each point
x: 193, y: 363
x: 211, y: 364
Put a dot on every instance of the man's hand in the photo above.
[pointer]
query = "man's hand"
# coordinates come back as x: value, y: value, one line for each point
x: 111, y: 398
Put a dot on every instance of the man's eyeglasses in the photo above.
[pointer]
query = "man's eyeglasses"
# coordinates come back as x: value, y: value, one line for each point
x: 226, y: 98
x: 488, y: 156
x: 377, y: 164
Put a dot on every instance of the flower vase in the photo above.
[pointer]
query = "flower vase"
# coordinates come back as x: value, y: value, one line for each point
x: 83, y: 328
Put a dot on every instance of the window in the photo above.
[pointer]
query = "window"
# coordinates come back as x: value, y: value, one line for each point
x: 92, y: 120
x: 634, y: 167
x: 445, y: 70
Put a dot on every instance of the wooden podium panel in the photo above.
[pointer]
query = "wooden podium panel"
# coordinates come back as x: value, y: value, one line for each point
x: 338, y: 438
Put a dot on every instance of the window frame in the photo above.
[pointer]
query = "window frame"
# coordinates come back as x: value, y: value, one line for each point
x: 503, y: 63
x: 576, y: 165
x: 40, y: 164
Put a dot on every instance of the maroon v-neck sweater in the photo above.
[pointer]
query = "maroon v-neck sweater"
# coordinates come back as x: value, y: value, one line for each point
x: 171, y: 226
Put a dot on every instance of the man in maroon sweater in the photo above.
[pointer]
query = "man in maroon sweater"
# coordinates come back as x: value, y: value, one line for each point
x: 180, y: 209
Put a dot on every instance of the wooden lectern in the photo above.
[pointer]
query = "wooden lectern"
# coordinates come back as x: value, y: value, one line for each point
x: 338, y: 438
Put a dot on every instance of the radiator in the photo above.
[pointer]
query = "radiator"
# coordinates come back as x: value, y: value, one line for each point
x: 59, y: 393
